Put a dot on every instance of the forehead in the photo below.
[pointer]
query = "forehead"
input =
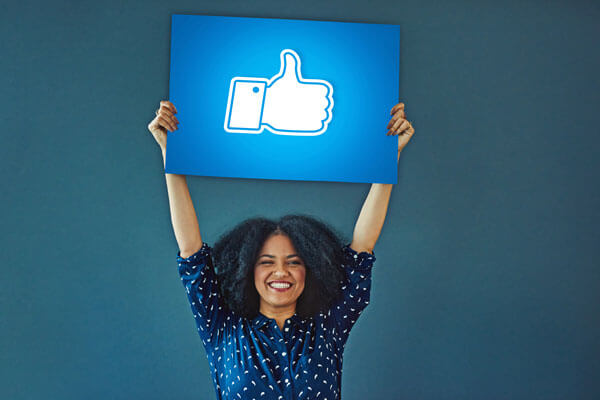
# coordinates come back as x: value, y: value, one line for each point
x: 278, y: 241
x: 278, y: 245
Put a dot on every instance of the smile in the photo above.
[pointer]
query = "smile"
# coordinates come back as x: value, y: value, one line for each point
x: 280, y: 287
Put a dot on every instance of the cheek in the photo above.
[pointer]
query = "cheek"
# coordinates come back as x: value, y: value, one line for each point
x: 301, y: 277
x: 258, y: 277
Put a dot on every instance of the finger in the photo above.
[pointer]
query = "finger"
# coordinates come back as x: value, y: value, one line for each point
x: 403, y: 128
x: 165, y: 108
x: 397, y: 107
x: 165, y: 123
x: 392, y: 131
x: 174, y: 119
x: 166, y: 115
x: 164, y: 104
x: 168, y: 105
x: 164, y: 111
x: 399, y: 124
x: 399, y: 114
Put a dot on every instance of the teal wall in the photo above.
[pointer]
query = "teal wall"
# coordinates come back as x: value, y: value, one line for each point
x: 487, y: 280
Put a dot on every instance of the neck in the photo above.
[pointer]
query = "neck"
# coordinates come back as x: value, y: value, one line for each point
x: 278, y: 314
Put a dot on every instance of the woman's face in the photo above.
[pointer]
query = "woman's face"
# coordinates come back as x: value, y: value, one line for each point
x: 277, y: 261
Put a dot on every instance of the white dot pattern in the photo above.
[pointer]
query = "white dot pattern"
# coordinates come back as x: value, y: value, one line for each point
x: 254, y: 359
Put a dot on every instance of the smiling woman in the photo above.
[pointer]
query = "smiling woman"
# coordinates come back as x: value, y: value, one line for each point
x: 275, y: 301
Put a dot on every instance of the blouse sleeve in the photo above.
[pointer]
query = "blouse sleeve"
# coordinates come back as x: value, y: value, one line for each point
x: 200, y: 282
x: 356, y: 290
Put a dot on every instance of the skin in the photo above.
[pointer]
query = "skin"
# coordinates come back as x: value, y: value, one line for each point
x: 400, y: 126
x: 277, y: 260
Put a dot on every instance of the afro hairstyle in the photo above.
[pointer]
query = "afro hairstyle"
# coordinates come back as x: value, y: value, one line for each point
x: 318, y: 245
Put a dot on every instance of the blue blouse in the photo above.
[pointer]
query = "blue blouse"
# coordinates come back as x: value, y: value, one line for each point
x: 253, y: 359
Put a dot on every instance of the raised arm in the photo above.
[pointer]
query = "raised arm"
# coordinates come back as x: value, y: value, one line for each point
x: 183, y: 215
x: 372, y: 215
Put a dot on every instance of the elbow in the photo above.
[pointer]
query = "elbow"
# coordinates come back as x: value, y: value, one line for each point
x: 359, y: 247
x: 187, y: 251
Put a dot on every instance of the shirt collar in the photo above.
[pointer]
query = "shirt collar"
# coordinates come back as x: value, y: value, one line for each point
x: 261, y: 320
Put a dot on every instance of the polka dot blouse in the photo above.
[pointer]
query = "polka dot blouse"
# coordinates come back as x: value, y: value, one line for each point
x: 252, y: 358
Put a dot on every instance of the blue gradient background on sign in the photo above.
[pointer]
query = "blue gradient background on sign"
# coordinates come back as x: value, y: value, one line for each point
x: 361, y: 61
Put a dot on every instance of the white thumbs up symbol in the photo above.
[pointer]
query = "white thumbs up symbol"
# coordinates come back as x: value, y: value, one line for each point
x: 286, y: 104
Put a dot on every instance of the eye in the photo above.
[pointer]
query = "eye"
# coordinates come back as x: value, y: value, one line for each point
x: 296, y: 262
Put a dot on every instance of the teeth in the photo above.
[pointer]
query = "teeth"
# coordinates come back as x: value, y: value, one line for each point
x: 280, y: 285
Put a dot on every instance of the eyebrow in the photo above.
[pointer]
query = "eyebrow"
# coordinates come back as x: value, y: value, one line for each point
x: 271, y: 256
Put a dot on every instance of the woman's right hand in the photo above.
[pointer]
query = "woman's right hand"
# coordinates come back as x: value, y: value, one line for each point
x: 164, y: 120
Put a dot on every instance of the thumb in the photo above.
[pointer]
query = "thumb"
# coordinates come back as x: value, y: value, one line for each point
x: 290, y: 65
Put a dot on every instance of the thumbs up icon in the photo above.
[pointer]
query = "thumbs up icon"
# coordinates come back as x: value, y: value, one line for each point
x: 287, y: 104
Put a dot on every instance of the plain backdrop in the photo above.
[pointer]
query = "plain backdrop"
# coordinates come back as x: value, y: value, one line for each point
x: 486, y: 284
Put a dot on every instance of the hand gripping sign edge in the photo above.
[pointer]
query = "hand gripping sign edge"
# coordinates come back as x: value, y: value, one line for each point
x: 286, y: 104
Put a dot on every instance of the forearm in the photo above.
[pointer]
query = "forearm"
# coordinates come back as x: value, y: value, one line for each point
x: 183, y: 215
x: 372, y: 216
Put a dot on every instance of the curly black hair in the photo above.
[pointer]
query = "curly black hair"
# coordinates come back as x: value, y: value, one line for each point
x: 317, y: 244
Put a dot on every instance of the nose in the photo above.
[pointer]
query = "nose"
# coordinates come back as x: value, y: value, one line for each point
x: 280, y: 270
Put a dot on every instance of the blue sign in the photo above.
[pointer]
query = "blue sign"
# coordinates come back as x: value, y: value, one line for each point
x: 283, y: 99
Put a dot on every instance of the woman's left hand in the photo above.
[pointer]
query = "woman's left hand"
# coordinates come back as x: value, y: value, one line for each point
x: 398, y: 125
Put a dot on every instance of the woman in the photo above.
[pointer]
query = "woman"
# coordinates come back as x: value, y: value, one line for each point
x: 274, y: 301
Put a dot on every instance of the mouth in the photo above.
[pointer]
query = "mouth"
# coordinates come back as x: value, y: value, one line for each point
x: 280, y: 286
